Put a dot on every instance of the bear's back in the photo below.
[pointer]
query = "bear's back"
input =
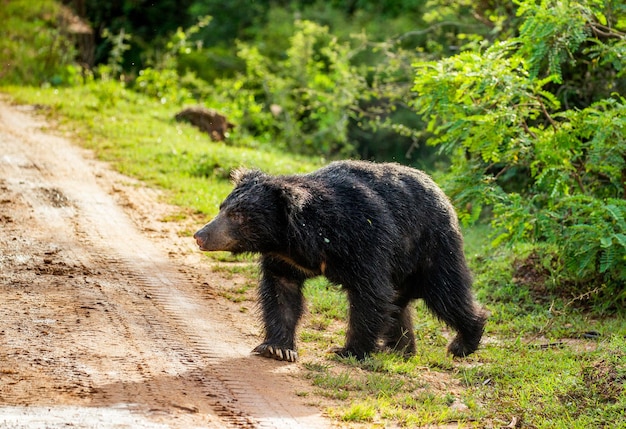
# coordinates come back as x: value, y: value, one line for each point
x: 402, y: 187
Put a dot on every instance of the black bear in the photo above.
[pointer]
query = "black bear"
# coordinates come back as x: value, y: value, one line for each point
x: 385, y: 232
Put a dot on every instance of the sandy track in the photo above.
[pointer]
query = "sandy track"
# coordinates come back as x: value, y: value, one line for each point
x: 103, y: 319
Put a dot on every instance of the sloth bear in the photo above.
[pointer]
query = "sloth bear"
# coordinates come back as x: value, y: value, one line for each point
x: 385, y: 232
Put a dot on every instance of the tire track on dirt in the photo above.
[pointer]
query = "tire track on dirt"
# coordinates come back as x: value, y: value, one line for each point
x: 125, y: 328
x: 229, y: 384
x: 107, y: 306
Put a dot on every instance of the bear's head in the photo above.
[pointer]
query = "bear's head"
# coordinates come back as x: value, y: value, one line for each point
x: 255, y: 216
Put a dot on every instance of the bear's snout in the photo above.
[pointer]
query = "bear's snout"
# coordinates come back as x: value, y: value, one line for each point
x: 216, y: 235
x: 199, y: 241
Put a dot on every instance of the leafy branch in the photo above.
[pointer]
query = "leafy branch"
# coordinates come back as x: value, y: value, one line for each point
x: 552, y: 176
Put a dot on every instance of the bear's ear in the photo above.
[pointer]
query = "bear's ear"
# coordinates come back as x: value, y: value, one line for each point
x: 295, y: 197
x: 241, y: 175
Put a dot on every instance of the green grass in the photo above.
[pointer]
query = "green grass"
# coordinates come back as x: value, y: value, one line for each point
x: 536, y: 366
x: 554, y: 380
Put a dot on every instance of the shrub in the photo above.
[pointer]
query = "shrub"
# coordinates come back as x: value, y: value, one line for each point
x: 309, y: 94
x: 552, y: 174
x: 34, y: 47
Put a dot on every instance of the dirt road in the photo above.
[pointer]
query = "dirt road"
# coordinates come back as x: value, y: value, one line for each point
x: 107, y: 316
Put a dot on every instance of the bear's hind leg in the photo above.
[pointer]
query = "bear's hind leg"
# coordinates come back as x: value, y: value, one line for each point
x: 369, y: 316
x: 450, y: 298
x: 400, y: 336
x: 469, y: 332
x: 282, y: 304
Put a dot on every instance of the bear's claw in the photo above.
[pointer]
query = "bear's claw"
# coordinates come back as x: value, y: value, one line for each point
x: 276, y: 352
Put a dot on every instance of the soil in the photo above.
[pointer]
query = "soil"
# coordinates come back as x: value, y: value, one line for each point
x: 110, y: 317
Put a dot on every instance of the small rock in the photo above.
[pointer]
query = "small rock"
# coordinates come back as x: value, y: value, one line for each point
x: 457, y: 405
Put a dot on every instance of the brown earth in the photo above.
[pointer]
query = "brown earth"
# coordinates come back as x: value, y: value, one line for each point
x: 109, y: 316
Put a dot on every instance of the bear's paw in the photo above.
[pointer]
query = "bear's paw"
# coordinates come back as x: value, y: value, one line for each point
x: 277, y: 352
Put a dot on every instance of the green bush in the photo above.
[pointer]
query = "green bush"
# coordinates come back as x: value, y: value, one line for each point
x: 34, y: 47
x: 305, y: 99
x: 552, y: 174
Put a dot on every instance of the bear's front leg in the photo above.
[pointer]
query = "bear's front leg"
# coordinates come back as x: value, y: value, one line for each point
x: 282, y: 304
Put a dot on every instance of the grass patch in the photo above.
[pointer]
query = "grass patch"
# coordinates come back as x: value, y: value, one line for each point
x: 564, y: 387
x: 359, y: 413
x: 326, y: 300
x: 243, y: 275
x: 249, y: 270
x: 238, y: 294
x: 35, y: 45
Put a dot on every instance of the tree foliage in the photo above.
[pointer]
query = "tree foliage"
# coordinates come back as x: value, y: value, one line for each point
x: 554, y: 175
x: 309, y: 93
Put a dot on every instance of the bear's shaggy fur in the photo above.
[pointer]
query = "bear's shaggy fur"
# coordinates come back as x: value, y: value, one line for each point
x: 386, y: 233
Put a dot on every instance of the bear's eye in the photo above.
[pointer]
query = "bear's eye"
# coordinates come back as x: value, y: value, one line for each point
x: 236, y: 217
